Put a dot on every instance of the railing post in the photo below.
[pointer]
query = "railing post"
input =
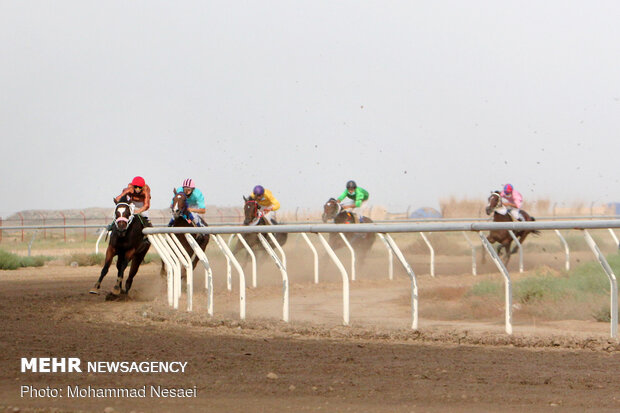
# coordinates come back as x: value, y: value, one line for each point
x: 473, y: 253
x: 176, y: 281
x: 252, y: 256
x: 615, y: 238
x: 612, y: 283
x: 189, y: 270
x: 516, y: 240
x: 228, y: 252
x: 282, y: 268
x: 390, y: 256
x: 228, y: 269
x: 155, y: 241
x: 345, y: 279
x: 316, y: 257
x: 352, y: 251
x: 507, y: 283
x: 208, y: 273
x: 566, y: 249
x: 414, y: 283
x: 430, y: 247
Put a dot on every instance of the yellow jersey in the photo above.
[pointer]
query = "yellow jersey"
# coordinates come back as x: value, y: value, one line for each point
x: 267, y: 200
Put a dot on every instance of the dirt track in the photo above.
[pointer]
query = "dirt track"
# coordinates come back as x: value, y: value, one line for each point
x: 377, y: 364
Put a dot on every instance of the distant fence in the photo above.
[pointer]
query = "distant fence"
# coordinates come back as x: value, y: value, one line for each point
x: 174, y: 256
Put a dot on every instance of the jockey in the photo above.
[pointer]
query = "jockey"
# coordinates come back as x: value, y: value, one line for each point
x: 195, y: 202
x: 353, y: 197
x: 138, y: 194
x: 513, y: 200
x: 266, y: 201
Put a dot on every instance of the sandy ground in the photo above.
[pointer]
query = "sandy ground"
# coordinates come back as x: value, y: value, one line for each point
x: 377, y: 364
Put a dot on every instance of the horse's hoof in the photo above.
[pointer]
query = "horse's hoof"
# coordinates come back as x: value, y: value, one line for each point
x: 116, y: 290
x: 94, y: 291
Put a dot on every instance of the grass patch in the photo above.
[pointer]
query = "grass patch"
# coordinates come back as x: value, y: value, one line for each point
x: 85, y: 260
x: 552, y: 294
x: 10, y: 261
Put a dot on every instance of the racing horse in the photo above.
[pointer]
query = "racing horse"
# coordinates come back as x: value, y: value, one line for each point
x: 500, y: 214
x: 254, y: 216
x: 361, y: 242
x: 128, y: 244
x: 181, y: 218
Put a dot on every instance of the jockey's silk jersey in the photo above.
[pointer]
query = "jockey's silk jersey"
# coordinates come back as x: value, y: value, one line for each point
x: 267, y: 200
x: 514, y: 198
x: 360, y: 195
x: 196, y: 199
x: 139, y: 199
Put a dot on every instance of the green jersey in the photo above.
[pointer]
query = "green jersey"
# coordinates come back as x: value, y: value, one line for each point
x: 360, y: 195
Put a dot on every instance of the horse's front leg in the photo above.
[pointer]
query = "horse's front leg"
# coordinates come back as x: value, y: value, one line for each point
x: 138, y: 257
x: 506, y: 246
x: 121, y: 264
x: 109, y: 255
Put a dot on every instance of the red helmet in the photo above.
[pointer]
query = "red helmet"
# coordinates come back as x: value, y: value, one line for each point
x: 508, y: 188
x: 138, y: 181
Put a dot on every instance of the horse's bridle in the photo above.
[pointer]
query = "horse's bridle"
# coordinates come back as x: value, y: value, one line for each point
x: 338, y: 208
x: 256, y: 211
x: 131, y: 208
x: 498, y: 205
x: 180, y: 212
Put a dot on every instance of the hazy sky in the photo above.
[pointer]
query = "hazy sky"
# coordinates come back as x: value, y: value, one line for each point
x: 414, y: 100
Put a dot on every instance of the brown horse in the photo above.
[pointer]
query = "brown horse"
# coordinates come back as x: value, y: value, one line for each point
x: 181, y: 218
x: 128, y: 243
x: 361, y: 242
x: 500, y: 214
x: 254, y: 216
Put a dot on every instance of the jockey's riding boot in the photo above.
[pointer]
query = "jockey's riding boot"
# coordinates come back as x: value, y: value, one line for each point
x: 171, y: 222
x: 356, y: 218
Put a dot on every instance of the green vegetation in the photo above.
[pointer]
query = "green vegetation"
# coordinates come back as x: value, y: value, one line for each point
x: 10, y: 261
x: 585, y: 287
x: 85, y: 260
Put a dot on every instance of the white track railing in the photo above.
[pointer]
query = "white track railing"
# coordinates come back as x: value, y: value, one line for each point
x: 384, y: 230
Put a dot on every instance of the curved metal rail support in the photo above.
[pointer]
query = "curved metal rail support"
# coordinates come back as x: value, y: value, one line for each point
x: 168, y: 264
x: 613, y: 235
x: 103, y: 231
x: 345, y: 279
x: 282, y: 268
x: 612, y: 282
x: 228, y: 252
x: 189, y: 271
x: 208, y: 273
x: 390, y: 256
x: 252, y: 256
x: 566, y: 249
x: 414, y: 284
x: 516, y: 240
x: 316, y: 256
x: 430, y: 247
x: 352, y: 251
x: 507, y: 283
x: 473, y: 253
x: 220, y: 242
x: 181, y: 259
x: 176, y: 270
x: 277, y: 244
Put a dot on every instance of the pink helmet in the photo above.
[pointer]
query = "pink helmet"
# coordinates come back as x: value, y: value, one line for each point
x: 137, y: 181
x: 189, y: 183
